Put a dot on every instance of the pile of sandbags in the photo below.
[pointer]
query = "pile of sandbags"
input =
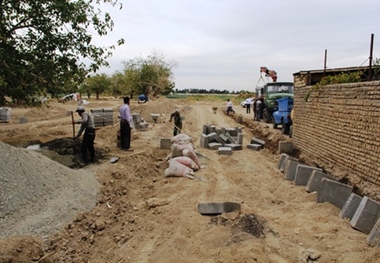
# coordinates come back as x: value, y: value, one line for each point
x: 182, y: 160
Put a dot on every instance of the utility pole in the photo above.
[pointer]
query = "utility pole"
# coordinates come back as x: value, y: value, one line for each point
x: 370, y: 59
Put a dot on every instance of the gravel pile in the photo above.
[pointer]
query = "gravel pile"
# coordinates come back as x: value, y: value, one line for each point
x: 38, y: 195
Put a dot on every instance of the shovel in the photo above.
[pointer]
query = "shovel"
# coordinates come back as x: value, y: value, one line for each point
x: 72, y: 120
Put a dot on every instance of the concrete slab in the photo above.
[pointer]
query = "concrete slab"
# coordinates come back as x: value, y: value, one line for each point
x: 314, y: 183
x: 334, y: 192
x: 255, y: 140
x: 303, y: 173
x: 225, y: 150
x: 374, y: 236
x: 214, y: 145
x: 234, y: 146
x: 350, y: 207
x: 224, y: 138
x: 205, y: 129
x: 229, y: 137
x: 240, y: 137
x: 214, y: 137
x: 366, y: 215
x: 204, y: 141
x: 165, y: 143
x: 282, y: 159
x: 255, y: 146
x: 232, y: 131
x: 285, y: 147
x: 218, y: 208
x: 290, y: 169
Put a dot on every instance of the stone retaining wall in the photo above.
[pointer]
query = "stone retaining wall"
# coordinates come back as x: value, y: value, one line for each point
x: 339, y: 130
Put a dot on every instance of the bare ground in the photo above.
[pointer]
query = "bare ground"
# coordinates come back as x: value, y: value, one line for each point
x: 141, y: 216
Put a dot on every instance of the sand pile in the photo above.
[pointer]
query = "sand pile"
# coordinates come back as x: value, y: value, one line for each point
x: 38, y: 195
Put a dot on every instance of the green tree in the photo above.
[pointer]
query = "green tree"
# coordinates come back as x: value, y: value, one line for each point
x: 118, y: 84
x: 42, y: 44
x: 150, y: 76
x: 98, y: 84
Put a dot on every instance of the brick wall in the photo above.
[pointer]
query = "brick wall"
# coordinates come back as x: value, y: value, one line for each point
x: 339, y: 130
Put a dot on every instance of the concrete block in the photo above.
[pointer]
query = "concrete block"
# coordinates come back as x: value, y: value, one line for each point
x: 218, y: 208
x: 374, y: 236
x: 303, y: 173
x: 283, y: 157
x: 136, y: 117
x: 366, y: 215
x: 205, y: 129
x: 234, y: 146
x: 314, y: 183
x: 350, y: 207
x: 334, y: 192
x: 255, y: 140
x: 225, y: 150
x: 229, y: 138
x: 285, y: 147
x: 204, y: 141
x: 290, y: 169
x: 214, y: 145
x: 214, y: 137
x: 255, y: 146
x: 224, y: 138
x: 165, y: 143
x: 232, y: 131
x: 218, y: 130
x: 240, y: 137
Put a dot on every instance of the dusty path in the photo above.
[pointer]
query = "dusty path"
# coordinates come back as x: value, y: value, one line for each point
x: 146, y: 217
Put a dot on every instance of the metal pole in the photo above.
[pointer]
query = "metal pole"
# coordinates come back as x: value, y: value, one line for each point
x: 324, y: 67
x: 370, y: 59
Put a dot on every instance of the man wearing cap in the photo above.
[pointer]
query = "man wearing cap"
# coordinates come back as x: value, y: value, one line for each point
x: 125, y: 125
x: 87, y: 125
x: 177, y: 122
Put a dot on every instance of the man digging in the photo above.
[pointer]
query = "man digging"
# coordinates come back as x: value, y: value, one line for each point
x: 87, y: 125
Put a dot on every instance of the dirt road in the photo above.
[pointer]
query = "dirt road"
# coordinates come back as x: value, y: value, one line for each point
x: 141, y: 216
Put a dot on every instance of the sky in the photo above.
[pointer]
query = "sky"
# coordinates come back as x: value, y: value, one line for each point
x: 221, y: 44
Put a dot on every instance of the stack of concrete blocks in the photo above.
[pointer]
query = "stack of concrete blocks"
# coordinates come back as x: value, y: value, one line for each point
x: 362, y: 212
x: 225, y: 140
x: 5, y: 114
x: 102, y: 117
x: 138, y: 122
x: 256, y: 144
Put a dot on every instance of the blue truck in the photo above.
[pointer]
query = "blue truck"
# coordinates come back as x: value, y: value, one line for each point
x: 282, y: 115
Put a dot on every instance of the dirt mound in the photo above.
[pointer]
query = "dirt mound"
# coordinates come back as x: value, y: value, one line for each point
x: 38, y: 195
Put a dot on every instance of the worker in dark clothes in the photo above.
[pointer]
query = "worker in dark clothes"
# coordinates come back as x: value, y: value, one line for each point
x: 125, y: 125
x: 177, y: 122
x: 87, y: 125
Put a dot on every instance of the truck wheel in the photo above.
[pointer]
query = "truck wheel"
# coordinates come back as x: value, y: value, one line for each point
x: 284, y: 127
x: 274, y: 124
x: 267, y: 117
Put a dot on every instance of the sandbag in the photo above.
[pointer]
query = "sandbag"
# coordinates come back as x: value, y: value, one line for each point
x: 185, y: 160
x: 181, y: 138
x: 179, y: 170
x: 192, y: 154
x: 176, y: 149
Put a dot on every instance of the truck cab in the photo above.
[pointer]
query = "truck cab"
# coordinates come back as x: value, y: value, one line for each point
x: 273, y: 91
x: 282, y: 115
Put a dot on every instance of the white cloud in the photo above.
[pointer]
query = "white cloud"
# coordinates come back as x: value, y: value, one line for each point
x: 222, y: 43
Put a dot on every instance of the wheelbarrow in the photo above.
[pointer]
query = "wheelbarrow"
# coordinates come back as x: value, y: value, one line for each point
x: 155, y: 117
x: 214, y: 109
